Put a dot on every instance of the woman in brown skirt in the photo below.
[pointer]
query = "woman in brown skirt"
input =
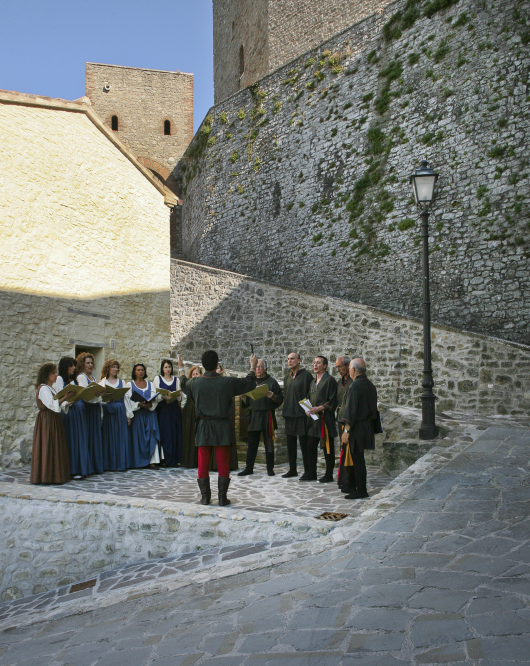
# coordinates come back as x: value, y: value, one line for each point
x: 189, y: 450
x: 49, y: 459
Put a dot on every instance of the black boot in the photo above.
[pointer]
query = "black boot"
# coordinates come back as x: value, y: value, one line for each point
x: 206, y: 494
x: 292, y: 454
x: 269, y: 458
x: 330, y: 466
x: 223, y: 483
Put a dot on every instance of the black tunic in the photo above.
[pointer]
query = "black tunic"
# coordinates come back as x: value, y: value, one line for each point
x: 294, y: 390
x: 358, y: 410
x: 342, y: 389
x: 325, y: 393
x: 258, y: 410
x: 212, y: 394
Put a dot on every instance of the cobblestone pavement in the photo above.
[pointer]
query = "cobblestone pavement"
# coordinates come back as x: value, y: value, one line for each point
x: 258, y: 492
x: 442, y: 577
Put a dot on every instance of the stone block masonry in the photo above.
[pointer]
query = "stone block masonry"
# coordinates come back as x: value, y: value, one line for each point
x: 302, y: 179
x: 142, y: 101
x: 211, y: 308
x: 252, y: 39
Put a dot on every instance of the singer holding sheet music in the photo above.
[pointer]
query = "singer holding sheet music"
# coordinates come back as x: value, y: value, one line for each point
x: 144, y: 441
x: 85, y: 367
x: 117, y: 415
x: 49, y: 458
x: 74, y: 422
x: 169, y: 414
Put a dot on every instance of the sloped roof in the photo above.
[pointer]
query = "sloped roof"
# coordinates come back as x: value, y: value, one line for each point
x: 83, y: 105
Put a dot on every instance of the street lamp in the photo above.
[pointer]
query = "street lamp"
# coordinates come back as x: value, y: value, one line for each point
x: 423, y: 180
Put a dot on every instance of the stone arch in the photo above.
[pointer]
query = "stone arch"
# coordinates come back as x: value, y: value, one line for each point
x: 159, y: 171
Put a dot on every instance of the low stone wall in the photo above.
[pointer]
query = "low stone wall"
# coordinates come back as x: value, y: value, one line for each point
x: 50, y: 537
x: 212, y: 308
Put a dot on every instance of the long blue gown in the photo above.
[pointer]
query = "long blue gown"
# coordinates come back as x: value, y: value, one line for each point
x: 144, y: 433
x: 95, y: 441
x: 76, y: 431
x: 115, y: 434
x: 170, y: 425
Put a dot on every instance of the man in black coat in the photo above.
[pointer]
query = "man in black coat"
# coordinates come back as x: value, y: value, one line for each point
x: 261, y: 418
x: 358, y: 411
x: 323, y: 397
x: 296, y: 386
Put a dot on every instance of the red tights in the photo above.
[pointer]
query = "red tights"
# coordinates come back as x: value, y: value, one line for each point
x: 222, y: 455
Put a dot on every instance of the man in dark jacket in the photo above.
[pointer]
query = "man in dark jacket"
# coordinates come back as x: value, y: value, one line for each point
x: 296, y: 385
x: 261, y: 418
x: 212, y: 394
x: 358, y: 411
x: 323, y: 398
x: 345, y: 480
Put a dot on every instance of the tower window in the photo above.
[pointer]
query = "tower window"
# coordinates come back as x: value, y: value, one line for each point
x: 241, y: 60
x: 114, y: 123
x: 167, y: 127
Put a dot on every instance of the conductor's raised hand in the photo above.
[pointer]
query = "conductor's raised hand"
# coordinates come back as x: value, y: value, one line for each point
x: 253, y: 361
x: 180, y: 363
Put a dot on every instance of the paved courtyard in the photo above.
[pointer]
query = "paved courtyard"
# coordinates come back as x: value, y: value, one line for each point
x: 442, y: 577
x: 258, y: 492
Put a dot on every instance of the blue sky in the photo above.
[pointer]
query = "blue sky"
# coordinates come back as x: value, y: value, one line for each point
x: 46, y: 43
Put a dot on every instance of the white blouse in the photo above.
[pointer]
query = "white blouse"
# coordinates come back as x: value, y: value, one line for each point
x: 126, y: 397
x: 136, y: 405
x: 46, y: 394
x: 85, y: 381
x: 182, y: 397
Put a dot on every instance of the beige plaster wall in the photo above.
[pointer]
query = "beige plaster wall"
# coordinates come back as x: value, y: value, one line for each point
x: 84, y: 257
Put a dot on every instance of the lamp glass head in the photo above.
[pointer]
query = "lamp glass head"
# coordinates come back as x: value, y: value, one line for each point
x: 423, y: 180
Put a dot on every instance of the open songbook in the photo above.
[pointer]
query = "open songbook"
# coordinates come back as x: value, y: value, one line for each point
x: 259, y: 392
x: 90, y: 392
x: 138, y: 397
x: 306, y: 406
x: 114, y: 393
x: 173, y: 395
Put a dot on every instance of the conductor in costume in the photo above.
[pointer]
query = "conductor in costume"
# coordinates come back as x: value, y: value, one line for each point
x: 358, y: 411
x: 261, y: 418
x: 296, y: 385
x: 212, y: 394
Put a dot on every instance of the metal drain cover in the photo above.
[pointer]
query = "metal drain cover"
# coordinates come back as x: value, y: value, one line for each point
x: 83, y: 586
x: 332, y: 515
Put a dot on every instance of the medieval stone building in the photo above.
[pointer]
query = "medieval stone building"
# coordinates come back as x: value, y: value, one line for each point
x: 254, y: 37
x: 150, y: 110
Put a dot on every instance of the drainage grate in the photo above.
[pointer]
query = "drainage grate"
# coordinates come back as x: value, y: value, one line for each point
x: 333, y: 516
x: 83, y: 586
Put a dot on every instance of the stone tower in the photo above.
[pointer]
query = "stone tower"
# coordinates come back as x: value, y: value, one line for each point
x: 150, y: 110
x: 252, y: 38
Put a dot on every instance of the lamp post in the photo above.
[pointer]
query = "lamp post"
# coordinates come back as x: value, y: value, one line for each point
x: 423, y: 181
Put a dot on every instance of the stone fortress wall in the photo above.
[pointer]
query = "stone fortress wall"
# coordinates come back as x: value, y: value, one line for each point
x: 142, y: 99
x: 212, y: 308
x: 84, y: 253
x: 302, y: 179
x: 273, y: 32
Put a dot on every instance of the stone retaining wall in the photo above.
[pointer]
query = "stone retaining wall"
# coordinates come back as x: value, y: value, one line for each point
x: 50, y: 537
x: 212, y: 308
x: 302, y: 179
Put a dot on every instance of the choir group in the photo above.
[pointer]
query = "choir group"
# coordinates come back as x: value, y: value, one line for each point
x: 145, y: 427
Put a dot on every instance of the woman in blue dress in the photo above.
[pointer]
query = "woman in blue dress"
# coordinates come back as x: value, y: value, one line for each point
x: 74, y: 421
x: 144, y: 440
x: 85, y: 366
x: 169, y: 415
x: 117, y: 415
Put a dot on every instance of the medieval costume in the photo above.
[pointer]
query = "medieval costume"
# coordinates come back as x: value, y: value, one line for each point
x: 170, y: 421
x: 295, y: 388
x: 144, y: 436
x: 233, y: 462
x: 115, y: 432
x: 322, y: 431
x: 358, y: 411
x: 261, y: 417
x: 76, y: 432
x: 49, y: 458
x: 96, y: 464
x: 345, y: 478
x: 190, y: 457
x: 213, y: 396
